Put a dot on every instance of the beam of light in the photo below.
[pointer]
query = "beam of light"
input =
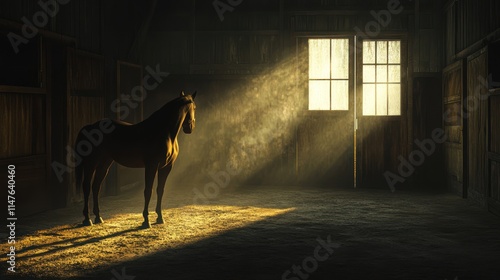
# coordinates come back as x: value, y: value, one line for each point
x: 68, y: 251
x: 249, y: 123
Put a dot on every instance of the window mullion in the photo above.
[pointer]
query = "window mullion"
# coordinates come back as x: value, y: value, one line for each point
x: 330, y: 81
x: 376, y: 77
x: 387, y: 75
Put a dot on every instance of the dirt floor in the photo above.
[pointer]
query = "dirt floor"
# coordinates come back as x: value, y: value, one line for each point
x: 265, y: 233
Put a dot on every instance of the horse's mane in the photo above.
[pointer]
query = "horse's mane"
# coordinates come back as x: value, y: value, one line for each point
x: 170, y: 106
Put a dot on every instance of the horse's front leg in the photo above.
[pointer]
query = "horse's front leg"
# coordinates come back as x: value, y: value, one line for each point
x: 150, y: 174
x: 162, y: 178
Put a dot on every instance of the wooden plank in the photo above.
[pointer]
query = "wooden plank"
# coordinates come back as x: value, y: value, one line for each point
x: 32, y: 191
x: 416, y: 39
x: 22, y: 119
x: 494, y: 121
x: 17, y: 89
x: 425, y: 36
x: 494, y: 188
x: 477, y: 126
x: 12, y: 25
x: 455, y: 166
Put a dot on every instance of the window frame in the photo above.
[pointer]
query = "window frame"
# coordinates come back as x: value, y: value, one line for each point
x: 350, y: 79
x: 375, y: 83
x: 404, y: 64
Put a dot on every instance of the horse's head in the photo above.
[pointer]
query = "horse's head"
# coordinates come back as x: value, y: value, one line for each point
x: 189, y: 122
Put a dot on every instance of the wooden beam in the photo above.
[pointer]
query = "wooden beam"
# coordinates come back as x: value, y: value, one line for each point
x: 142, y: 32
x: 18, y: 89
x: 15, y: 26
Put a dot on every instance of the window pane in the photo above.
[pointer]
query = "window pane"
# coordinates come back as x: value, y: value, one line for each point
x: 319, y: 59
x: 369, y: 74
x: 394, y: 52
x: 319, y: 95
x: 394, y: 100
x: 382, y: 100
x: 340, y: 59
x: 394, y: 74
x: 340, y: 95
x: 381, y: 51
x: 369, y: 52
x: 368, y: 99
x: 384, y: 96
x: 381, y: 74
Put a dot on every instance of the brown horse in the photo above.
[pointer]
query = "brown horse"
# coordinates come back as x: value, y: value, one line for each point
x: 151, y: 144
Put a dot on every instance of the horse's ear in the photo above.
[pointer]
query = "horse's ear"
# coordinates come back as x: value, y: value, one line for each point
x: 194, y: 95
x: 182, y: 93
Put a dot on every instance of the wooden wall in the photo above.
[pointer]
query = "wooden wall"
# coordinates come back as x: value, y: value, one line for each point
x: 472, y: 33
x: 44, y: 101
x: 453, y: 92
x: 24, y: 124
x: 494, y: 154
x: 190, y: 38
x: 24, y: 143
x: 426, y: 31
x: 477, y: 126
x: 468, y: 22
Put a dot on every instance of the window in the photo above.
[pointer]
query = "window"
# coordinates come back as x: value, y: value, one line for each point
x: 329, y: 74
x: 382, y: 78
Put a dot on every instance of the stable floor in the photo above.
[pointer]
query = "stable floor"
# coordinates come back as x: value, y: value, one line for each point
x: 262, y: 233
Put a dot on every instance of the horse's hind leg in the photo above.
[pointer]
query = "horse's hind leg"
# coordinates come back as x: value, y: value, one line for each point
x: 100, y: 173
x: 88, y: 173
x: 150, y: 174
x: 162, y: 178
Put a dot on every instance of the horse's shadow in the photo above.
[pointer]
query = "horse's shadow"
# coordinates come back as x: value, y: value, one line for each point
x: 71, y: 243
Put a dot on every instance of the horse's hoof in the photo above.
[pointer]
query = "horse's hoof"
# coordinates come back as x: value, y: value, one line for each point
x: 160, y: 221
x: 145, y: 225
x: 98, y: 220
x: 87, y: 222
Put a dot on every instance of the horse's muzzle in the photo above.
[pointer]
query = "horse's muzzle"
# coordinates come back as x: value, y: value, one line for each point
x: 188, y: 128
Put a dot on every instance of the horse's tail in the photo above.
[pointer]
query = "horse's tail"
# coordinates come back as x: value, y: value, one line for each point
x: 79, y: 166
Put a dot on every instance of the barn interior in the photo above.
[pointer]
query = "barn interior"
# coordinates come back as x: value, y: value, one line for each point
x: 334, y: 139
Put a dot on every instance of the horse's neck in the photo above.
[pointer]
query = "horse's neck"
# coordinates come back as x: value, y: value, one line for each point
x: 167, y: 125
x: 175, y: 127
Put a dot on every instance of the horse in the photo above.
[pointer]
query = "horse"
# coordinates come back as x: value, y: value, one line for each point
x: 151, y: 144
